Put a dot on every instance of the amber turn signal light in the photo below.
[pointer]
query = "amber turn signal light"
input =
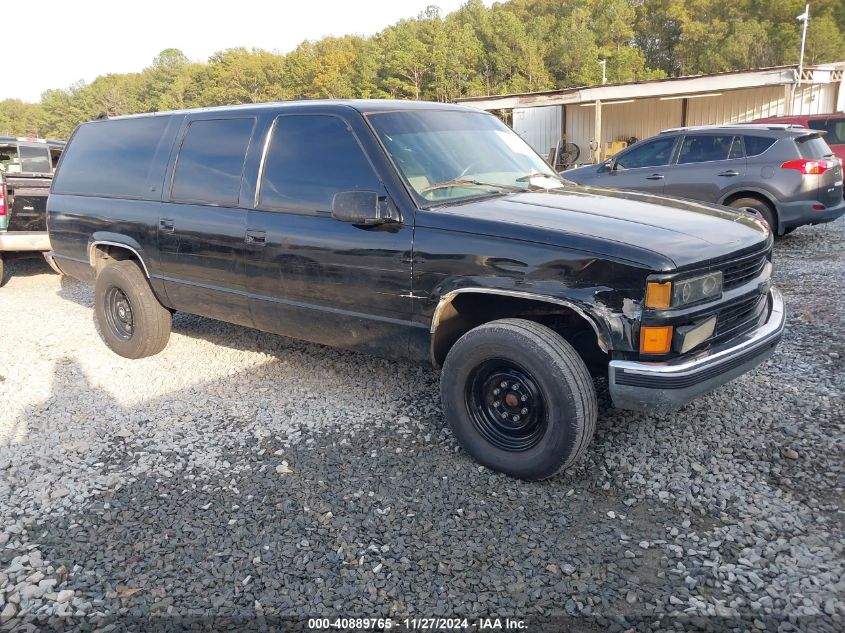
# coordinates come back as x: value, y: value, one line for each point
x: 658, y: 295
x: 655, y: 340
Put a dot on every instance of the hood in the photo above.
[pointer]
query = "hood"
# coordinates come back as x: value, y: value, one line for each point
x: 684, y: 232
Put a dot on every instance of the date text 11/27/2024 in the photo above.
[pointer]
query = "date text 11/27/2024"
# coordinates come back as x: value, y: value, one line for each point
x: 418, y: 624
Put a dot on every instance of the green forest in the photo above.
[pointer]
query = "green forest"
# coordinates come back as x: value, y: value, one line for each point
x: 516, y: 46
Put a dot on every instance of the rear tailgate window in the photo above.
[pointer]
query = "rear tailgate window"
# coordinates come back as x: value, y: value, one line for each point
x: 813, y: 146
x: 35, y: 160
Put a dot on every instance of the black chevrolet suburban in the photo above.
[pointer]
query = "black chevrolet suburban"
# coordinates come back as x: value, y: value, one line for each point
x: 424, y: 232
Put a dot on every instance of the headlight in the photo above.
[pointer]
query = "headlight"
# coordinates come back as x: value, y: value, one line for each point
x: 666, y: 294
x: 697, y: 289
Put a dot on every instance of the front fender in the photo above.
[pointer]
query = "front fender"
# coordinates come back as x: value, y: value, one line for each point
x: 614, y: 328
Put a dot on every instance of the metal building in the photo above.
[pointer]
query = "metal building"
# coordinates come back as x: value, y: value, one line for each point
x: 593, y: 117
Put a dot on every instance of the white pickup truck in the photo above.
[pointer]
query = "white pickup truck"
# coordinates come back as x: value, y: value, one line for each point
x: 26, y: 172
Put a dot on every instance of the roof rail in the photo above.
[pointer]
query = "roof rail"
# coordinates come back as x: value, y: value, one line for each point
x: 722, y: 126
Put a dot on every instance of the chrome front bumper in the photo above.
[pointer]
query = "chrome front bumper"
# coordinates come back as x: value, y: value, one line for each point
x: 643, y: 386
x: 18, y: 241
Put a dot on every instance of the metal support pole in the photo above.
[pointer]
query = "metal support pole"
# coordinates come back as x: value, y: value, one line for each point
x: 597, y: 133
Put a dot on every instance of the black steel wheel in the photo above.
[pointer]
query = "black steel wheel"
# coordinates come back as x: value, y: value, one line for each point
x: 506, y: 405
x: 119, y: 316
x: 132, y: 321
x: 518, y: 398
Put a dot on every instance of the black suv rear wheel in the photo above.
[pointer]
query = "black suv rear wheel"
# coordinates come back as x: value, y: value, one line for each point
x: 132, y: 321
x: 518, y: 398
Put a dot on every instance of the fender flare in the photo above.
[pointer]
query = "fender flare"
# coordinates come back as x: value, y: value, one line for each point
x: 119, y: 241
x: 446, y: 300
x: 752, y: 190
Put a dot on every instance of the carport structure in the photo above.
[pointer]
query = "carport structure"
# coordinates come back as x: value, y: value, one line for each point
x: 593, y: 117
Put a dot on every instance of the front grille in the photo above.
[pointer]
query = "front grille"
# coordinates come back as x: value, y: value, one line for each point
x: 739, y: 272
x: 738, y: 318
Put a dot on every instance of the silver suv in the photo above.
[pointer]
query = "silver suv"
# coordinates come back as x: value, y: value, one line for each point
x: 787, y: 173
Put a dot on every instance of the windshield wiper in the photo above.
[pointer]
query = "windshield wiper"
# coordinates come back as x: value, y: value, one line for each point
x: 462, y: 182
x: 539, y: 174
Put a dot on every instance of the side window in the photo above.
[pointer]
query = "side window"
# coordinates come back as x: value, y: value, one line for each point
x: 702, y: 148
x: 310, y: 158
x: 9, y: 161
x: 649, y: 154
x: 211, y: 162
x: 114, y: 158
x: 756, y: 145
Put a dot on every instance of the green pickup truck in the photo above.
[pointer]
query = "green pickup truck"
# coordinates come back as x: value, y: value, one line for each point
x: 26, y: 172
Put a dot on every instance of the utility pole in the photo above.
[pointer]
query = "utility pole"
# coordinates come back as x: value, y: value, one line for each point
x: 603, y: 63
x: 805, y: 18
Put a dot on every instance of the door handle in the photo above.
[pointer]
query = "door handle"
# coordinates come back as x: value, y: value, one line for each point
x: 730, y: 173
x: 655, y: 177
x: 258, y: 238
x: 165, y: 225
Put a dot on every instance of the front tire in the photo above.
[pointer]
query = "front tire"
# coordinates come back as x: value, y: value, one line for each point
x: 132, y: 321
x: 518, y: 398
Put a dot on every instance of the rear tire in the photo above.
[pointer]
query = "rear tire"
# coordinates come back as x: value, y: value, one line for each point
x: 132, y: 321
x: 763, y: 208
x: 518, y: 398
x: 2, y: 270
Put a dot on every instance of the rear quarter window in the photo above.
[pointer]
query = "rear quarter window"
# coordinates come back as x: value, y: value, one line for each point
x: 114, y: 158
x: 756, y: 145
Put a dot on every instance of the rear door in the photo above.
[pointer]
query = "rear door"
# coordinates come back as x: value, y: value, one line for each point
x: 643, y: 167
x: 202, y: 225
x: 708, y: 165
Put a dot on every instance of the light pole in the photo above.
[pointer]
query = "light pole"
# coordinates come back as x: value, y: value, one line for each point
x: 805, y: 18
x: 603, y: 63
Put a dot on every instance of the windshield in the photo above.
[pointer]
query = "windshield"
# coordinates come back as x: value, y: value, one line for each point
x: 447, y: 155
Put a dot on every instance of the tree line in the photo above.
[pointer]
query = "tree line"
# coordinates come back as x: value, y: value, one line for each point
x: 515, y: 46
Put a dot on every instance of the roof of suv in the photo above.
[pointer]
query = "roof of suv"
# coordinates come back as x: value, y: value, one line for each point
x: 741, y: 127
x: 365, y: 106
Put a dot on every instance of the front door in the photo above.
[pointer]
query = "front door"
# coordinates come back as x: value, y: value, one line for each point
x: 202, y: 228
x: 314, y: 277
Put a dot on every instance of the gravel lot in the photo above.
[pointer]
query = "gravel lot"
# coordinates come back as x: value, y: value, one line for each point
x: 239, y: 478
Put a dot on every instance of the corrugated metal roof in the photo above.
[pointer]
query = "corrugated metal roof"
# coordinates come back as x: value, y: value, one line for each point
x: 732, y: 80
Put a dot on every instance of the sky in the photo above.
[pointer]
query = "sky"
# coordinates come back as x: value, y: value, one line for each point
x: 55, y: 43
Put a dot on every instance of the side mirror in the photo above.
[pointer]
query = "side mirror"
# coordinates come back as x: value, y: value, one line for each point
x: 363, y: 207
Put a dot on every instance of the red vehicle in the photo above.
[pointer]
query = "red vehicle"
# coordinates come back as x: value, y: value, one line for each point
x: 833, y: 124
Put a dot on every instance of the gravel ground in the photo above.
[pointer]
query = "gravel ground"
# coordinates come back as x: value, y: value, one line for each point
x: 239, y: 478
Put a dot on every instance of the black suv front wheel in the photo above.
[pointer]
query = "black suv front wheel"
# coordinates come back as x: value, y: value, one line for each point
x: 132, y: 321
x: 518, y: 398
